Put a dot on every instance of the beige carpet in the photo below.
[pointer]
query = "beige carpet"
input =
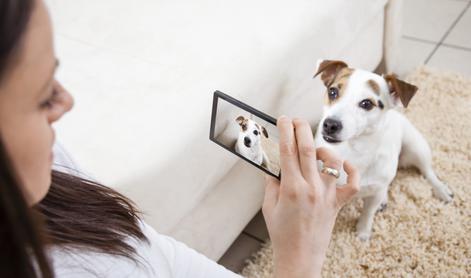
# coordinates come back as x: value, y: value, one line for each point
x: 272, y: 150
x: 417, y: 235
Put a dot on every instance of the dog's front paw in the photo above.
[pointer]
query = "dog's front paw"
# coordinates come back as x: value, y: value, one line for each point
x: 364, y: 236
x: 382, y: 207
x: 443, y: 194
x: 363, y: 233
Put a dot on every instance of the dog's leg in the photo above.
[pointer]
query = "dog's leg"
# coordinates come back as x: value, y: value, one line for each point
x: 371, y: 205
x: 416, y: 152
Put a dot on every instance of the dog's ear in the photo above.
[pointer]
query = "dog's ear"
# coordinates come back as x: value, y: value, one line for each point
x: 329, y: 69
x: 240, y: 120
x: 400, y: 90
x: 264, y: 131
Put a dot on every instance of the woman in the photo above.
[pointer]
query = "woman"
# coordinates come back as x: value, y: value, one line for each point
x: 57, y: 225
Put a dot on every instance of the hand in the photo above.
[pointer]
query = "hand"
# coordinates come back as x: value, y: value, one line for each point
x: 300, y: 210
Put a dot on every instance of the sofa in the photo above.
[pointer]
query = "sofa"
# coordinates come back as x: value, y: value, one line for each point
x: 143, y: 74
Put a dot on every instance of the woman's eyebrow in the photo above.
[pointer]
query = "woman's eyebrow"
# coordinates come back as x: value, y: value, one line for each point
x: 50, y: 77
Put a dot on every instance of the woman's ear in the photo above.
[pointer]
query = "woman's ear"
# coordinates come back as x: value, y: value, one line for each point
x: 400, y: 90
x: 329, y: 69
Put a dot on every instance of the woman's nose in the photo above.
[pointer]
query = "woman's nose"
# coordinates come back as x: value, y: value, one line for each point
x: 64, y: 103
x: 68, y: 101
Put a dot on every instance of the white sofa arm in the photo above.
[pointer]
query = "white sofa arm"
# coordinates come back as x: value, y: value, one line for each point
x: 392, y: 34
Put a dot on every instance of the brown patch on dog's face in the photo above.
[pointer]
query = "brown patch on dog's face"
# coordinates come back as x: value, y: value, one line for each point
x: 375, y: 103
x: 242, y: 122
x: 338, y: 86
x: 374, y: 86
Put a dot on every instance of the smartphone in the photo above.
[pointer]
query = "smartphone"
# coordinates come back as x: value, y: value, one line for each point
x: 246, y: 132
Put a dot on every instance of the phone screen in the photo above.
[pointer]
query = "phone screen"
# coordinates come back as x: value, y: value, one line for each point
x: 246, y: 132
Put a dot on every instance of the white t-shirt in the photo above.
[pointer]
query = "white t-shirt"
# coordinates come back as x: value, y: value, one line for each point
x: 162, y: 257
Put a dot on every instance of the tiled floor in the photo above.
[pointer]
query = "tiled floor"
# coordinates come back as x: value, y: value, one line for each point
x: 436, y: 33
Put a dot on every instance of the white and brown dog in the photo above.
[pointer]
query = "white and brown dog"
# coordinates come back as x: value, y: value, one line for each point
x: 360, y: 124
x: 249, y: 141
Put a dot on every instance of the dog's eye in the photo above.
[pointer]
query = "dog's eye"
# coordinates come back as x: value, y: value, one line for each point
x: 366, y: 104
x: 333, y: 93
x: 255, y: 132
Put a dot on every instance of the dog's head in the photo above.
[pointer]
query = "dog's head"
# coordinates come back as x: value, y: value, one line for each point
x: 356, y: 100
x: 251, y: 131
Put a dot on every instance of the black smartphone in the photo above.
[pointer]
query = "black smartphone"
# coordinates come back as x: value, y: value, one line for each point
x: 246, y: 132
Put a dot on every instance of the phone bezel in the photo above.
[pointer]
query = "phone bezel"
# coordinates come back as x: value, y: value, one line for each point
x: 216, y: 96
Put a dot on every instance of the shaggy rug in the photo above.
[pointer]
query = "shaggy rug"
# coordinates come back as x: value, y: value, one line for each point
x: 417, y: 235
x: 272, y: 150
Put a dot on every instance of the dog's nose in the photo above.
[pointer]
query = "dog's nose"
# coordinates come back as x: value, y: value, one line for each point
x: 247, y: 141
x: 332, y: 126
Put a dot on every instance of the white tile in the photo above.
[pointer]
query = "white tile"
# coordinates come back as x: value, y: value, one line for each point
x: 461, y: 33
x: 412, y: 54
x: 430, y: 19
x: 452, y: 59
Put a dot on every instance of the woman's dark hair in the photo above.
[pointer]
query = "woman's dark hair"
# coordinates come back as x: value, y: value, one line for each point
x: 76, y: 213
x: 21, y: 244
x: 14, y: 16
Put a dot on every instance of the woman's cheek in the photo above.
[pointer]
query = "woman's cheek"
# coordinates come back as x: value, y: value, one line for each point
x: 36, y: 161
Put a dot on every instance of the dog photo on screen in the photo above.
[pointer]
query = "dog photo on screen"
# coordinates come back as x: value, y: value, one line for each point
x: 247, y: 135
x: 249, y: 141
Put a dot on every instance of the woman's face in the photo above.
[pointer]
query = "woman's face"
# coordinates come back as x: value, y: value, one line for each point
x: 31, y: 100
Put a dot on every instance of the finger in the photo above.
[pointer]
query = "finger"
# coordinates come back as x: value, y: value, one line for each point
x: 331, y: 160
x: 289, y: 163
x: 306, y: 149
x: 272, y: 187
x: 346, y: 192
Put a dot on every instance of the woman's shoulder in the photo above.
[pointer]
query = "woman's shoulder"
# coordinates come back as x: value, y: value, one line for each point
x: 159, y: 256
x: 184, y: 261
x: 151, y: 259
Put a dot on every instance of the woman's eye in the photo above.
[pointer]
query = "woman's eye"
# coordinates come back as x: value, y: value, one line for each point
x: 333, y: 93
x: 255, y: 132
x: 366, y: 104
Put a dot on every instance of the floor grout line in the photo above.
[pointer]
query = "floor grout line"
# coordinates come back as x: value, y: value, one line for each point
x: 419, y: 40
x: 447, y: 33
x: 253, y: 237
x: 464, y: 48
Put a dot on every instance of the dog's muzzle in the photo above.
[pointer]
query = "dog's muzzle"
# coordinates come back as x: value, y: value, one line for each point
x: 330, y: 129
x: 247, y: 142
x: 330, y: 139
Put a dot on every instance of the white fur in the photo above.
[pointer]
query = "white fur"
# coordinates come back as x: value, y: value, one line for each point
x: 376, y: 142
x: 255, y: 151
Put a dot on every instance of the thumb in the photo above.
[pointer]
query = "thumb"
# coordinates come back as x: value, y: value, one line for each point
x: 272, y: 188
x: 346, y: 192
